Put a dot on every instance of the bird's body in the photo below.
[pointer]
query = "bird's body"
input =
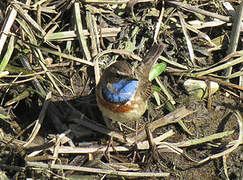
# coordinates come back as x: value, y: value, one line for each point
x: 123, y: 90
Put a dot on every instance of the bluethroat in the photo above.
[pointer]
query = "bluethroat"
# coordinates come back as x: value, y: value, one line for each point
x: 124, y: 89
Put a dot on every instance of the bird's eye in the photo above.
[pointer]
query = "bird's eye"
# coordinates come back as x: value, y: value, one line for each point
x: 117, y: 76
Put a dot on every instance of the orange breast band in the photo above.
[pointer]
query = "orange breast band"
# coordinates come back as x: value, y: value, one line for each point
x: 117, y: 108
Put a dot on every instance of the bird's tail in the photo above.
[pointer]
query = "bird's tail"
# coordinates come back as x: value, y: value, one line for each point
x: 151, y: 58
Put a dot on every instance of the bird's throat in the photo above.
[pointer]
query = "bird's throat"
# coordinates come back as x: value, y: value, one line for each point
x: 120, y: 92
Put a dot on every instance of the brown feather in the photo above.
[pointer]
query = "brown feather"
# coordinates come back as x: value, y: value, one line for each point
x: 151, y: 58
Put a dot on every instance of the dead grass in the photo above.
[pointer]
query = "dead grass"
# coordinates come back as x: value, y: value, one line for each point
x: 52, y: 54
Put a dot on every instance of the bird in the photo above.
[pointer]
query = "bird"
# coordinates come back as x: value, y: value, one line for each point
x: 123, y: 90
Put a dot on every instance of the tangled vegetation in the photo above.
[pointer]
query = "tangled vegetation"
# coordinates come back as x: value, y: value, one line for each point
x: 52, y: 55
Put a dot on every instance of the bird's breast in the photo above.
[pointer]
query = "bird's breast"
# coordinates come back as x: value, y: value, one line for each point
x: 130, y: 111
x: 121, y: 101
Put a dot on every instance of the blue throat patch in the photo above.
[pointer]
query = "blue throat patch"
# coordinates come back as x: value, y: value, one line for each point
x: 120, y: 92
